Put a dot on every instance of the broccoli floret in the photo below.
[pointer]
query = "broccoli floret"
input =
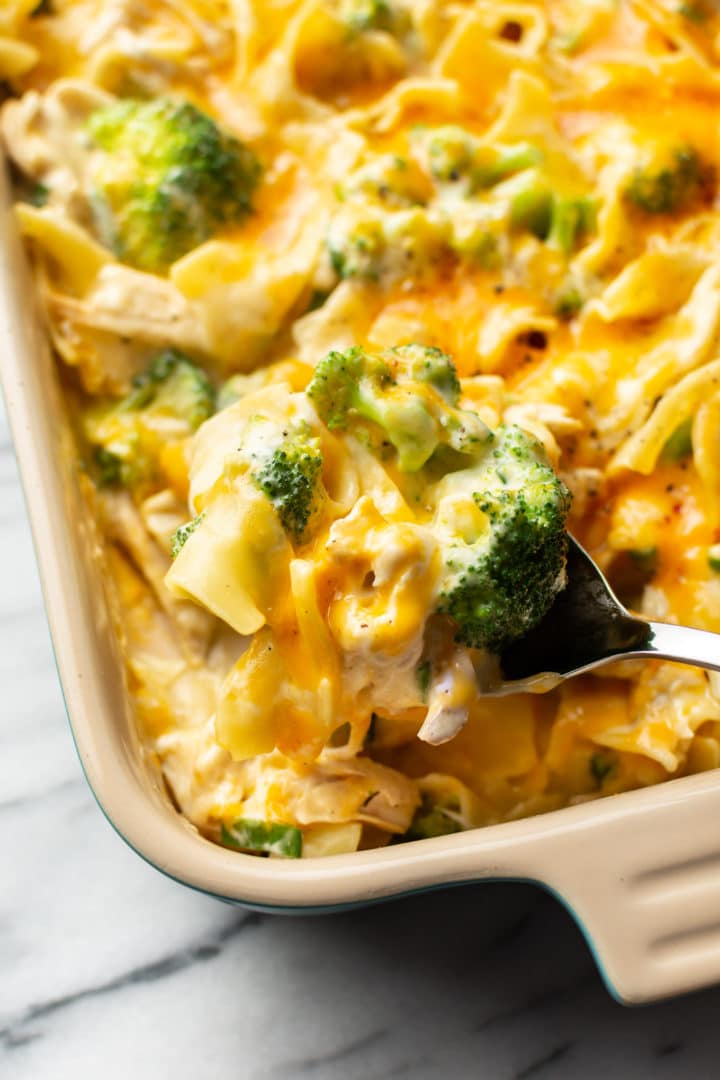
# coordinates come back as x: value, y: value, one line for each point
x: 290, y: 477
x: 183, y: 533
x: 408, y: 393
x: 630, y: 571
x: 358, y: 252
x: 423, y: 674
x: 679, y: 444
x: 601, y: 766
x: 110, y: 470
x: 428, y: 364
x: 165, y: 178
x: 695, y: 12
x: 390, y: 179
x: 435, y: 818
x: 568, y: 302
x: 570, y: 219
x: 498, y: 586
x: 317, y: 299
x: 531, y: 206
x: 668, y: 186
x: 557, y: 219
x: 492, y: 165
x: 451, y: 151
x: 646, y: 559
x: 477, y: 245
x: 369, y: 243
x: 335, y: 386
x: 363, y: 15
x: 39, y: 195
x: 170, y: 399
x: 173, y: 384
x: 454, y: 155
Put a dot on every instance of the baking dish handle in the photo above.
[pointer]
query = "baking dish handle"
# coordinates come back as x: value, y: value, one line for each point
x: 643, y: 882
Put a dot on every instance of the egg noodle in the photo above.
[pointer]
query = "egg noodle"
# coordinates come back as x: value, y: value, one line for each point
x: 529, y: 187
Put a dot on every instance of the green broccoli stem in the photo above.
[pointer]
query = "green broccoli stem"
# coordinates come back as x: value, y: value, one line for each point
x: 679, y: 445
x: 531, y: 209
x: 569, y: 218
x: 407, y: 423
x: 500, y: 164
x: 568, y: 302
x: 601, y: 766
x: 363, y: 15
x: 557, y: 219
x: 272, y: 838
x: 433, y: 819
x: 713, y: 558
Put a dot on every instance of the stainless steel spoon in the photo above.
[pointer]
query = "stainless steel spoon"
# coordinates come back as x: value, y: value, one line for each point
x: 587, y: 627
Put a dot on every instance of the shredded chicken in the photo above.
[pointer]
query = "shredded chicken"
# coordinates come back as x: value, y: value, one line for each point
x: 123, y: 523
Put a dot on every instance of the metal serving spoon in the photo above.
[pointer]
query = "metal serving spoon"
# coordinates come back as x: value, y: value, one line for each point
x: 587, y: 627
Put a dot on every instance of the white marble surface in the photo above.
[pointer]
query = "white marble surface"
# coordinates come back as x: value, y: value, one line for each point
x: 109, y: 970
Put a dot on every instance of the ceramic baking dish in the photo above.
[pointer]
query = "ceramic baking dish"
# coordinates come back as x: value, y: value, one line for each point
x: 640, y: 871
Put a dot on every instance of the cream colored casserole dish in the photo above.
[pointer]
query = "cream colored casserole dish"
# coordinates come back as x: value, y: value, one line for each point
x: 356, y: 302
x: 640, y: 871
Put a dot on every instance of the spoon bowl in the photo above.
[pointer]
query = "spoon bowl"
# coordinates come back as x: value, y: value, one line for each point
x: 587, y: 627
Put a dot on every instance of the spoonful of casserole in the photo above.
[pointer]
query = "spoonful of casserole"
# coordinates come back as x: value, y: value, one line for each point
x: 587, y: 627
x: 384, y: 553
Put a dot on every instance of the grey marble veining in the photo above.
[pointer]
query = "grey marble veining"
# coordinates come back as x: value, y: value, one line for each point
x: 109, y: 970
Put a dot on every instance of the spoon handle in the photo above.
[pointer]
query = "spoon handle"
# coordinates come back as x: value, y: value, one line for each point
x: 669, y: 642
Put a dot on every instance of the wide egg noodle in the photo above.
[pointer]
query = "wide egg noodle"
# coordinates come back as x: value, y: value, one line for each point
x: 16, y: 56
x: 480, y: 59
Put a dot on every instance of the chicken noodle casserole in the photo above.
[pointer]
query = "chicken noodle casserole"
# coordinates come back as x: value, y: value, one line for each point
x: 357, y: 304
